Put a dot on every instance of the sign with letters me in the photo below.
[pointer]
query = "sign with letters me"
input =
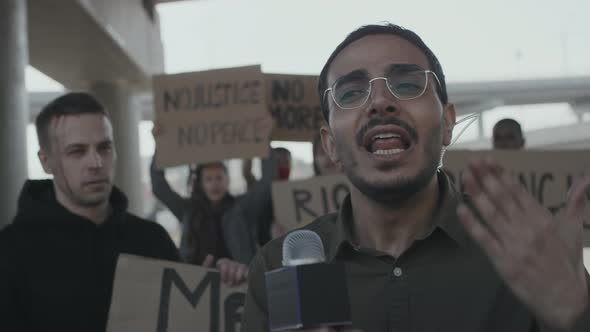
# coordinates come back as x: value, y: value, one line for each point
x: 162, y: 296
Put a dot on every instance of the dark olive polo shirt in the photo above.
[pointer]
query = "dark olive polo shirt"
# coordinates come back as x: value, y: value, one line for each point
x: 443, y: 282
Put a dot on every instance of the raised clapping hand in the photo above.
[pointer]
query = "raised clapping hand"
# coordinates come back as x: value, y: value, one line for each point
x: 539, y: 256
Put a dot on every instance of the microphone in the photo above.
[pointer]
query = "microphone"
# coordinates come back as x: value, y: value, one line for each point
x: 306, y: 292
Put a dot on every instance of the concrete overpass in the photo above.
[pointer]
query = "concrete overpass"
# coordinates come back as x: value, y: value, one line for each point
x: 483, y: 96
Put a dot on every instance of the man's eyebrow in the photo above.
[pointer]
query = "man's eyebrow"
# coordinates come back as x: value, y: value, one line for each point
x: 106, y: 142
x: 404, y: 66
x: 74, y: 146
x: 354, y: 73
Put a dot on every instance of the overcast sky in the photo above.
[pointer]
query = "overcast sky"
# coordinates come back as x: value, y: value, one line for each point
x: 474, y: 40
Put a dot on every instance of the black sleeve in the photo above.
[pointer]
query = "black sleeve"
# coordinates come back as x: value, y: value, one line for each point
x: 163, y: 192
x: 166, y: 248
x: 11, y: 301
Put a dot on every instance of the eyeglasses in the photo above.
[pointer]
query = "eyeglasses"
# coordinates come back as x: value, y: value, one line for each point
x: 404, y: 82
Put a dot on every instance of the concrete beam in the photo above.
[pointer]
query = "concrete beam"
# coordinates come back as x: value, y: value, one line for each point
x: 76, y: 42
x: 574, y: 136
x: 538, y: 91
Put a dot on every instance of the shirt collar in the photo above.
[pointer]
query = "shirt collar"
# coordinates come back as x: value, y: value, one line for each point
x: 446, y: 218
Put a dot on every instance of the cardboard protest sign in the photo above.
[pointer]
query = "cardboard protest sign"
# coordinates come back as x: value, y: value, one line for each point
x: 547, y: 175
x: 297, y: 203
x: 294, y: 104
x: 211, y: 115
x: 161, y: 296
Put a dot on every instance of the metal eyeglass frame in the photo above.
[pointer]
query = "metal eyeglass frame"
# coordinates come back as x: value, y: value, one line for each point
x: 426, y: 72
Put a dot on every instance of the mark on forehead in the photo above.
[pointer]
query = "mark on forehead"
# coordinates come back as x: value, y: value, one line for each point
x: 55, y: 135
x: 61, y: 128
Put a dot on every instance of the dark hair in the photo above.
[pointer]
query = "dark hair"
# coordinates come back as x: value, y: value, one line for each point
x: 282, y: 150
x: 202, y: 210
x: 203, y: 218
x: 386, y: 29
x: 196, y: 174
x: 73, y: 103
x: 509, y: 122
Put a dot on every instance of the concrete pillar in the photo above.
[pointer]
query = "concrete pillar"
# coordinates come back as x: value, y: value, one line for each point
x: 14, y: 57
x: 118, y: 99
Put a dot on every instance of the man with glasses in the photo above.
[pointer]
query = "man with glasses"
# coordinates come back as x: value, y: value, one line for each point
x: 420, y: 256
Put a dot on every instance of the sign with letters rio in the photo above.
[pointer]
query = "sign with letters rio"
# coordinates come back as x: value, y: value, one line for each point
x: 297, y: 203
x: 162, y: 296
x: 211, y: 115
x: 294, y: 104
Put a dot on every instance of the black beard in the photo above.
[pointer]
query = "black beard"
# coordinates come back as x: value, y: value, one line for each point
x: 398, y: 191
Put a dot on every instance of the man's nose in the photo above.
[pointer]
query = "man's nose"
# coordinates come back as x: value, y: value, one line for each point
x: 381, y: 100
x: 96, y: 159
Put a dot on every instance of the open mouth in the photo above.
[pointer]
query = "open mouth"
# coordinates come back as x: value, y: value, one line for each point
x: 387, y: 140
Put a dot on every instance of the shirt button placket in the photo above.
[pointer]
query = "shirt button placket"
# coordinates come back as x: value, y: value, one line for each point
x: 399, y: 314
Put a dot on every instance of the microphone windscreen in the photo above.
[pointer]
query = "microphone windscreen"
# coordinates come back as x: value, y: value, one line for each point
x: 303, y: 247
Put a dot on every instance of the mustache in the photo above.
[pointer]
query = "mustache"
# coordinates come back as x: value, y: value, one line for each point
x: 374, y: 122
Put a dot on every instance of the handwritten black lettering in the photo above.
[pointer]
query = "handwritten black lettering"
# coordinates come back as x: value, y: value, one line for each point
x: 338, y: 193
x: 171, y: 278
x: 233, y: 304
x: 546, y: 177
x: 211, y: 95
x: 324, y: 200
x: 220, y: 132
x: 301, y: 198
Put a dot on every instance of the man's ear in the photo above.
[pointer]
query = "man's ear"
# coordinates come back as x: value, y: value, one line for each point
x: 328, y: 144
x: 449, y: 118
x: 45, y: 162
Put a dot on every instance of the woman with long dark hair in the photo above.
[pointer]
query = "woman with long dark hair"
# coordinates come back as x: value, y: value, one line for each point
x: 202, y: 232
x: 203, y: 242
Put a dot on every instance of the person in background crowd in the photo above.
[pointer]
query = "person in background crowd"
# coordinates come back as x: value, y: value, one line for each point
x: 202, y: 240
x: 508, y: 135
x: 250, y: 224
x: 282, y: 157
x: 58, y: 257
x: 247, y: 174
